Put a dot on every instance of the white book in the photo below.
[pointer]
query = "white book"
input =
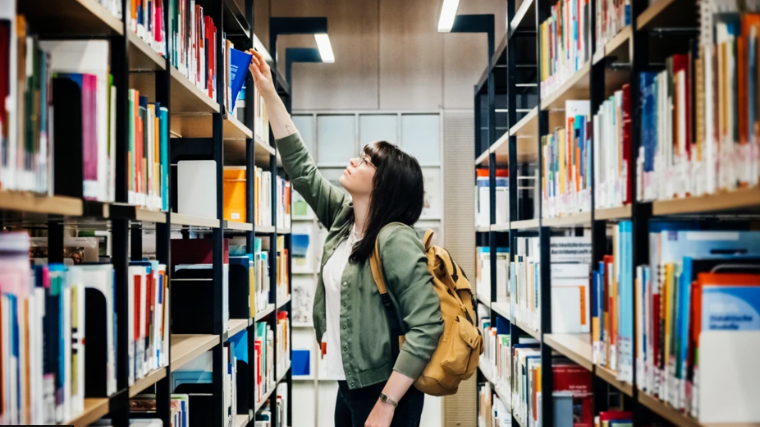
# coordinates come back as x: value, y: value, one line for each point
x: 140, y: 356
x: 89, y: 57
x: 66, y: 334
x: 78, y: 340
x: 131, y: 351
x: 111, y: 197
x: 570, y: 298
x: 196, y: 188
x: 22, y: 316
x: 8, y: 171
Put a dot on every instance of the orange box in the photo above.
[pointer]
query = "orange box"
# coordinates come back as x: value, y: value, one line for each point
x: 234, y: 195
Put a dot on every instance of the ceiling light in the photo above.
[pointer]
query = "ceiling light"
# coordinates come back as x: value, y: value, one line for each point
x: 448, y: 14
x: 325, y: 48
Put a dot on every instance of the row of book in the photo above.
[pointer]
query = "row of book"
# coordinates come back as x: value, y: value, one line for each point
x: 146, y: 19
x: 612, y: 148
x: 492, y: 412
x: 60, y: 341
x: 565, y: 43
x: 148, y: 168
x: 482, y: 198
x: 496, y: 359
x: 570, y: 259
x: 260, y: 117
x: 193, y: 44
x: 483, y: 274
x: 63, y: 95
x: 113, y: 6
x: 264, y: 361
x: 262, y: 281
x: 612, y: 306
x: 699, y: 127
x: 611, y: 17
x: 572, y: 396
x: 566, y: 163
x: 277, y: 417
x: 148, y: 318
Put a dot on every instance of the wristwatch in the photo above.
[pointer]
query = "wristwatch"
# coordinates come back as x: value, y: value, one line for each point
x: 388, y: 400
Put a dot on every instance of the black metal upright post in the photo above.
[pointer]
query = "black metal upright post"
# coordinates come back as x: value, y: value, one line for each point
x: 491, y: 181
x: 273, y: 278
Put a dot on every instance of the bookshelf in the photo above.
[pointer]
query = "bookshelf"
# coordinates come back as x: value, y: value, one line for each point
x: 200, y: 127
x: 511, y: 84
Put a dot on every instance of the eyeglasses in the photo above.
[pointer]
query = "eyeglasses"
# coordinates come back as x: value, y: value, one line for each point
x: 365, y: 160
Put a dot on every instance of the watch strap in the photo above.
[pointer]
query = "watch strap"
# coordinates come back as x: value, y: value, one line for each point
x: 388, y: 400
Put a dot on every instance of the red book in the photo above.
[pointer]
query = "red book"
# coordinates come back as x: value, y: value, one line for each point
x: 136, y: 326
x: 576, y: 380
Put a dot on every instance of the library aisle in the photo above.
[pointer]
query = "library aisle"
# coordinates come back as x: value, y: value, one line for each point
x: 158, y: 267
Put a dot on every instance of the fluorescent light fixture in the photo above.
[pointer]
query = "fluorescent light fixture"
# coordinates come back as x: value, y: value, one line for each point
x: 259, y: 46
x: 448, y: 14
x: 325, y: 48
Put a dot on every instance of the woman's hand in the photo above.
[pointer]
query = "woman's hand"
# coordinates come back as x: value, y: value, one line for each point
x: 381, y: 415
x: 261, y: 73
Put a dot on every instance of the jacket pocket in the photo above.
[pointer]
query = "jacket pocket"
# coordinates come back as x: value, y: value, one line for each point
x: 462, y: 349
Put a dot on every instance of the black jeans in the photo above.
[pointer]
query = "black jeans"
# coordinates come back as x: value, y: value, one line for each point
x: 353, y: 406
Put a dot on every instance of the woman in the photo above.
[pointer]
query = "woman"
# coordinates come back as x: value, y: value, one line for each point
x: 386, y: 187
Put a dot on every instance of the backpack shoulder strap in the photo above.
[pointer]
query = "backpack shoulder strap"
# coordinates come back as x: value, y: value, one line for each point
x: 377, y: 269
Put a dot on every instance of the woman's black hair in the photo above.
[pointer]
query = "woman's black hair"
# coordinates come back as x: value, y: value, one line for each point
x: 397, y: 196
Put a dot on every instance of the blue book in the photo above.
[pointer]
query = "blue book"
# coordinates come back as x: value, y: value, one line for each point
x: 164, y: 147
x: 239, y: 63
x: 301, y: 363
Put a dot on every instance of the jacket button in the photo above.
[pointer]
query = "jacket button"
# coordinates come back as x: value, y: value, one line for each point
x: 344, y: 304
x: 352, y: 384
x: 344, y: 327
x: 345, y: 348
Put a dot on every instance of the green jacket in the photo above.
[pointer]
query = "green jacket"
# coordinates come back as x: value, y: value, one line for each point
x: 364, y: 332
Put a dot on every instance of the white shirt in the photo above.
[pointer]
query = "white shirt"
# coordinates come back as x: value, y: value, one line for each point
x: 331, y: 276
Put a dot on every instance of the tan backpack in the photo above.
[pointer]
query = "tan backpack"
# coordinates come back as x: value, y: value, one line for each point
x: 456, y: 357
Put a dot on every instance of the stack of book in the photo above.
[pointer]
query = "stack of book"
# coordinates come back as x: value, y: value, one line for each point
x: 482, y: 203
x: 146, y: 19
x: 262, y: 207
x: 267, y: 417
x: 615, y: 418
x: 612, y: 151
x: 262, y: 281
x: 698, y: 297
x: 148, y: 168
x: 264, y: 361
x: 146, y: 404
x: 192, y: 44
x: 148, y: 318
x: 283, y: 203
x: 612, y: 309
x: 570, y: 259
x: 48, y: 365
x: 260, y: 118
x: 483, y: 274
x: 496, y: 360
x: 283, y: 272
x: 566, y: 163
x: 572, y: 396
x: 565, y: 43
x: 611, y: 17
x: 491, y: 412
x: 283, y: 343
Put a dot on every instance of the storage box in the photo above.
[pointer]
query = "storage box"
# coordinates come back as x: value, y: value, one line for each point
x: 234, y: 194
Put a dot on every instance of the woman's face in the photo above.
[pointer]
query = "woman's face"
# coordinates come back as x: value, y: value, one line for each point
x: 358, y: 176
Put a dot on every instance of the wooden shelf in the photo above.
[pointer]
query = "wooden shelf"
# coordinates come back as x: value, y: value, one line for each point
x: 524, y: 224
x: 618, y: 47
x: 500, y: 227
x: 265, y: 398
x: 284, y: 301
x: 238, y: 226
x: 575, y: 87
x: 136, y: 213
x: 70, y: 18
x: 502, y: 308
x: 283, y: 231
x: 671, y: 13
x: 234, y: 326
x: 745, y: 200
x: 303, y: 325
x: 530, y: 331
x: 263, y: 229
x: 528, y: 125
x: 668, y: 412
x: 94, y: 409
x: 611, y: 378
x: 146, y: 382
x: 187, y: 347
x: 142, y: 56
x: 527, y: 149
x: 582, y: 218
x: 577, y: 347
x: 482, y: 229
x: 242, y: 420
x: 269, y: 149
x: 621, y: 212
x: 50, y: 205
x: 193, y: 221
x: 187, y: 98
x: 482, y: 160
x: 194, y: 125
x: 264, y: 313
